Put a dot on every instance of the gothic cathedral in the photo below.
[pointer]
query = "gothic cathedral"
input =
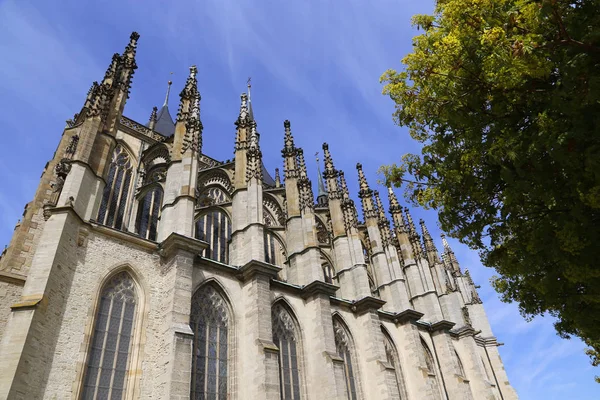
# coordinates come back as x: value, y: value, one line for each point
x: 145, y: 269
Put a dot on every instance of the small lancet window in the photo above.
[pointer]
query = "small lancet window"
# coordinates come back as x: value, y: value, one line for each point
x: 215, y: 228
x: 211, y: 324
x: 461, y: 368
x: 149, y: 212
x: 116, y: 192
x: 274, y: 253
x: 108, y: 362
x: 430, y: 364
x: 343, y: 348
x: 328, y: 273
x: 285, y: 337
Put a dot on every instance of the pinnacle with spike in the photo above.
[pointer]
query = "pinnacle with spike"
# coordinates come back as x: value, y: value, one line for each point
x: 344, y: 186
x: 277, y: 178
x: 430, y: 249
x: 450, y: 256
x: 413, y: 235
x: 330, y: 171
x: 289, y: 149
x: 304, y: 184
x: 396, y: 211
x: 366, y: 194
x: 152, y: 120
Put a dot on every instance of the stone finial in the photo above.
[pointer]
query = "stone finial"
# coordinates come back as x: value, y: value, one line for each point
x: 111, y: 71
x: 289, y: 149
x: 344, y: 186
x: 277, y: 178
x: 301, y: 164
x: 128, y: 61
x: 396, y: 211
x: 379, y: 206
x: 450, y: 257
x: 254, y: 155
x: 304, y: 184
x: 188, y: 95
x: 362, y: 182
x: 384, y: 224
x: 322, y: 193
x: 193, y: 127
x: 250, y: 111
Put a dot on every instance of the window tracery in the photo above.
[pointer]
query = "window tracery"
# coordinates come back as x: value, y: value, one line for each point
x: 286, y: 339
x: 399, y: 391
x: 212, y: 196
x: 210, y: 322
x: 106, y: 371
x: 116, y: 192
x: 215, y: 228
x: 274, y: 252
x: 343, y: 348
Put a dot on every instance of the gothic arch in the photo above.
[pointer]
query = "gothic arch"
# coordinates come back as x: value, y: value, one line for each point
x: 149, y: 205
x: 433, y: 371
x: 157, y: 150
x: 132, y: 371
x: 218, y: 177
x: 287, y: 336
x: 329, y: 273
x: 346, y: 349
x: 271, y: 204
x: 393, y: 358
x: 213, y: 322
x: 276, y: 252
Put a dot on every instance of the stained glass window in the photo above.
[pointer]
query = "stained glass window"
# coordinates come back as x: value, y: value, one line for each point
x: 210, y: 322
x: 343, y: 348
x: 398, y: 390
x: 285, y: 337
x: 274, y: 253
x: 107, y: 366
x: 149, y: 212
x: 215, y: 228
x: 116, y: 192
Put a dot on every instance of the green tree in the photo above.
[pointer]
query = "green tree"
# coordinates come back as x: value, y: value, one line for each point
x: 504, y: 96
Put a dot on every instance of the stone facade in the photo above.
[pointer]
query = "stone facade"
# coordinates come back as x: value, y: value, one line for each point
x: 372, y: 310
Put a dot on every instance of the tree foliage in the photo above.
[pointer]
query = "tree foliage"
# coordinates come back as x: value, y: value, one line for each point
x: 504, y: 96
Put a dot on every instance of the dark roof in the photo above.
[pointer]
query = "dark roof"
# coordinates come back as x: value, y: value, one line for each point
x: 267, y: 179
x: 164, y: 122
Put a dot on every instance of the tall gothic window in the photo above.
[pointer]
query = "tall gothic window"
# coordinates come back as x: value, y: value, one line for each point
x: 398, y: 390
x: 116, y: 191
x: 286, y: 338
x: 343, y: 348
x: 106, y: 371
x: 148, y: 213
x: 328, y: 273
x: 211, y: 323
x: 215, y: 228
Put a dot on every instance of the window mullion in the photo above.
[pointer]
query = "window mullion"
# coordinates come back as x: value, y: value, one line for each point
x: 150, y: 210
x: 97, y: 385
x: 114, y: 364
x: 112, y: 191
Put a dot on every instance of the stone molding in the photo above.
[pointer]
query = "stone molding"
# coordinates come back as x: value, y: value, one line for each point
x: 176, y: 241
x: 366, y: 304
x: 255, y: 267
x: 316, y: 288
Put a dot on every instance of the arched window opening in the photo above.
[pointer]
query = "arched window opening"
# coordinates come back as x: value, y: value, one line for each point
x: 274, y: 252
x: 210, y: 322
x: 343, y: 348
x: 108, y: 363
x: 149, y: 212
x: 215, y: 228
x: 286, y: 339
x: 399, y: 390
x: 212, y: 196
x: 116, y: 191
x: 328, y: 273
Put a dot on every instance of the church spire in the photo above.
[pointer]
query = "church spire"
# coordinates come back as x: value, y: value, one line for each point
x: 166, y: 103
x: 164, y: 122
x: 128, y: 65
x: 250, y: 111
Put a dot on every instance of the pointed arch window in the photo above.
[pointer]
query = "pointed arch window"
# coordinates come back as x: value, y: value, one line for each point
x: 430, y: 364
x: 285, y: 336
x: 149, y: 212
x: 398, y: 390
x: 214, y: 227
x: 328, y: 273
x: 106, y: 370
x: 461, y: 368
x: 116, y: 192
x: 274, y: 252
x: 343, y: 348
x: 211, y: 324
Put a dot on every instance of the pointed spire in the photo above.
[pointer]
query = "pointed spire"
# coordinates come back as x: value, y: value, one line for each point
x: 344, y: 186
x: 242, y: 119
x: 380, y: 209
x: 250, y: 111
x: 152, y: 121
x: 277, y: 178
x: 430, y: 250
x: 394, y: 205
x: 415, y: 240
x: 166, y: 103
x: 289, y: 148
x: 350, y: 214
x: 128, y: 64
x: 188, y: 95
x: 366, y: 194
x: 307, y: 200
x: 111, y: 71
x: 362, y: 181
x: 383, y: 222
x: 254, y: 155
x: 289, y: 153
x: 301, y: 164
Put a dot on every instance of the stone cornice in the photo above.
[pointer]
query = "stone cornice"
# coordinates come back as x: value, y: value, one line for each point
x: 402, y: 317
x: 13, y: 278
x: 255, y: 267
x: 367, y: 304
x: 318, y: 287
x: 176, y: 241
x: 464, y: 331
x: 442, y: 325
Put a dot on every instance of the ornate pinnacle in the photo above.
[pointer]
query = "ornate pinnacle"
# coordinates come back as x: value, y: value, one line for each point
x: 449, y: 256
x: 365, y: 191
x: 243, y: 117
x: 301, y: 164
x: 152, y: 120
x: 415, y: 240
x: 344, y: 186
x: 128, y: 62
x: 254, y: 155
x: 322, y: 194
x: 111, y: 71
x: 277, y: 178
x: 380, y: 209
x: 189, y: 93
x: 394, y: 205
x: 193, y: 125
x: 430, y: 249
x: 330, y: 171
x: 384, y: 224
x: 289, y: 149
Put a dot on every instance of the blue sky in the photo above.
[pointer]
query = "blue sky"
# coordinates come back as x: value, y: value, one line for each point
x: 314, y: 62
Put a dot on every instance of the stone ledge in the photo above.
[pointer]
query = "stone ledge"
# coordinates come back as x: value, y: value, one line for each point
x: 268, y: 346
x: 10, y: 277
x: 488, y: 341
x: 464, y: 331
x: 402, y: 317
x: 176, y: 241
x: 26, y: 305
x: 333, y: 357
x: 287, y: 287
x: 255, y: 267
x: 122, y: 235
x: 366, y: 304
x: 318, y: 287
x: 442, y: 325
x: 244, y: 229
x: 183, y: 330
x: 303, y: 251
